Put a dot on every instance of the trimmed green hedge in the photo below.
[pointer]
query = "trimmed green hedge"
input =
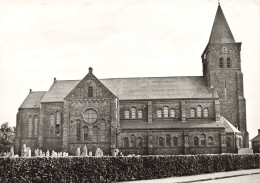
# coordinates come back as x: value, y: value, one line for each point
x: 111, y: 169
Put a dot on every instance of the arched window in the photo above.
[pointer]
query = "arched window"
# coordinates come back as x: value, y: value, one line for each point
x: 78, y: 130
x: 192, y: 113
x: 139, y: 142
x: 199, y: 111
x: 203, y: 139
x: 85, y: 130
x: 30, y: 126
x: 127, y: 114
x: 228, y: 62
x: 52, y: 119
x: 159, y: 113
x: 221, y: 64
x: 133, y: 113
x: 161, y: 141
x: 166, y: 112
x: 58, y: 121
x: 140, y: 114
x: 90, y: 91
x: 228, y: 142
x: 196, y: 141
x: 210, y: 140
x: 168, y: 140
x: 133, y: 141
x: 36, y: 122
x: 240, y: 142
x: 206, y: 113
x: 126, y: 142
x: 95, y: 134
x: 175, y: 141
x: 172, y: 113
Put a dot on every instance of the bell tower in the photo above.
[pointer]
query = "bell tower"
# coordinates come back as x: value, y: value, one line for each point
x: 222, y: 69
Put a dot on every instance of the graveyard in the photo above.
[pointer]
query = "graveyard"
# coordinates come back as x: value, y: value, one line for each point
x: 88, y: 166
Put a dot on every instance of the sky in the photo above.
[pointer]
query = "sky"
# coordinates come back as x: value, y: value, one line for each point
x: 43, y: 39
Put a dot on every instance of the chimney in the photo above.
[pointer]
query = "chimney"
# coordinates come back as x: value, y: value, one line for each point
x: 54, y: 79
x: 30, y: 90
x: 258, y: 131
x: 90, y: 70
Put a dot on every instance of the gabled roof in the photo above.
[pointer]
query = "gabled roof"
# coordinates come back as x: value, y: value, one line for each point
x: 140, y: 88
x: 59, y: 90
x: 167, y: 124
x: 229, y: 128
x: 33, y: 99
x: 256, y: 138
x: 159, y: 87
x: 221, y: 32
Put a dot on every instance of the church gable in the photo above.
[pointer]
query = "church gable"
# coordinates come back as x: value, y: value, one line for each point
x: 90, y: 87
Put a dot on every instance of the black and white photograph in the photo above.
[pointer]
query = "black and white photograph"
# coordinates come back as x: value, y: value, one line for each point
x: 136, y: 91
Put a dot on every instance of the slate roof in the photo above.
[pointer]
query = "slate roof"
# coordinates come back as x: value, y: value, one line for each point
x: 59, y: 90
x: 221, y: 32
x: 33, y: 99
x: 229, y: 128
x: 256, y: 138
x: 140, y: 88
x: 158, y: 87
x: 169, y: 124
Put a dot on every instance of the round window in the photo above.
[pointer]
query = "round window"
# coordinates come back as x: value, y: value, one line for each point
x: 90, y: 115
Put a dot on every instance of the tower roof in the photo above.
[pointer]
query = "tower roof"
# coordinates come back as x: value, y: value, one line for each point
x: 221, y: 32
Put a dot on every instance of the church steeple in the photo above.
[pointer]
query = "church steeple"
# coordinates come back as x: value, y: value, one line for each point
x: 221, y: 32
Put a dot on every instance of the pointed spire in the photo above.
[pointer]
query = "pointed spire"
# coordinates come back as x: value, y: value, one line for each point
x: 221, y: 32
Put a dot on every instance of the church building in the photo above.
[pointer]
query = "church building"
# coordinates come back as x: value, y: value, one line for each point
x: 144, y: 115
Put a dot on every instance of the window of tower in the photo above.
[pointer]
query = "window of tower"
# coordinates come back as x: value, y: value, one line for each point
x: 228, y: 62
x: 221, y: 63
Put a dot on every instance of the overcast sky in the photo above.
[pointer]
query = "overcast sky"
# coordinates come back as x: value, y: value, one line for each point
x: 43, y: 39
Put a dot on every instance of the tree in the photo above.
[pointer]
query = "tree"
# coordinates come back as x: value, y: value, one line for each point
x: 7, y: 135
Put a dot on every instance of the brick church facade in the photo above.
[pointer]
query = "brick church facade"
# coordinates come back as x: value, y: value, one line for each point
x: 146, y: 115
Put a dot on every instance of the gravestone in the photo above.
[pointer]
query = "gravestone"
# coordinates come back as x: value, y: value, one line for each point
x: 78, y: 151
x: 85, y: 151
x: 47, y: 153
x: 90, y: 153
x: 12, y: 151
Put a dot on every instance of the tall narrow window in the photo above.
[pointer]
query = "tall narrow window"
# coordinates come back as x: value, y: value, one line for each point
x: 58, y: 121
x: 140, y: 114
x: 30, y: 126
x: 199, y: 111
x: 161, y: 141
x: 203, y: 139
x: 133, y: 141
x: 168, y: 140
x: 228, y: 62
x: 159, y: 113
x: 85, y: 130
x: 221, y: 64
x: 240, y: 142
x: 95, y: 134
x: 175, y: 141
x: 78, y: 130
x: 126, y: 142
x: 52, y: 119
x: 172, y: 113
x: 36, y: 122
x: 210, y: 140
x: 192, y: 113
x: 133, y: 112
x: 228, y: 142
x: 166, y: 112
x: 126, y: 114
x: 139, y: 142
x: 206, y: 113
x: 90, y: 91
x: 196, y: 141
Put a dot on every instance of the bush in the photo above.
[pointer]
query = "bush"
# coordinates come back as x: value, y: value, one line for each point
x: 113, y: 169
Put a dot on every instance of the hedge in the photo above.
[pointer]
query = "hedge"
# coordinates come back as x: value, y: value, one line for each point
x: 114, y: 169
